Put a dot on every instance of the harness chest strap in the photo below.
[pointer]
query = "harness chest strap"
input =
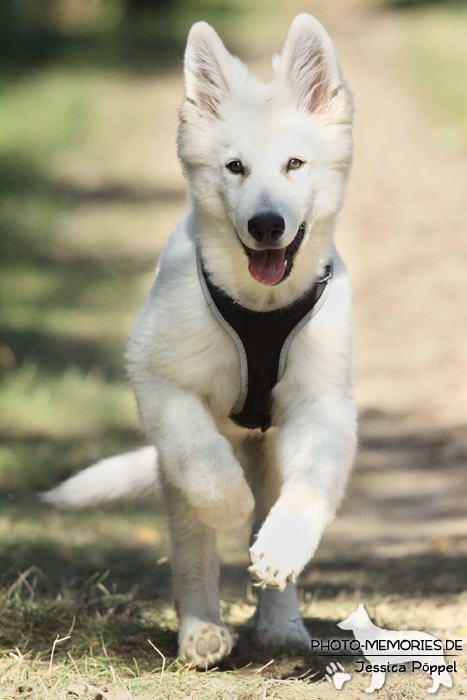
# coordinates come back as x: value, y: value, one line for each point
x: 262, y: 339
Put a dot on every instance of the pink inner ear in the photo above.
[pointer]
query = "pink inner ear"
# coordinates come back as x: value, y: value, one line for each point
x: 206, y: 100
x: 318, y: 86
x: 208, y: 88
x: 307, y: 73
x: 318, y: 95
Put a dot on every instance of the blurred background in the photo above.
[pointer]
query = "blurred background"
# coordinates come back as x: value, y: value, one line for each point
x: 90, y: 189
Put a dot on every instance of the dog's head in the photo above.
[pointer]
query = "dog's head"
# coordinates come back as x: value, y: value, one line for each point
x: 267, y: 163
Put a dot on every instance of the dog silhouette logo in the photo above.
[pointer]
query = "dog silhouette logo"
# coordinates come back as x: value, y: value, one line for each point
x: 392, y: 651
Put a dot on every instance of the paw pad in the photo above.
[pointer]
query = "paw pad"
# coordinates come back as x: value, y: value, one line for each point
x: 207, y: 645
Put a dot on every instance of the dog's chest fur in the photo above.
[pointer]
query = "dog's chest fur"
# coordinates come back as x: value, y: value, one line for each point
x: 179, y: 339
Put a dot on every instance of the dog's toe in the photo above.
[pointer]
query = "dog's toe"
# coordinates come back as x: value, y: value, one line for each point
x: 278, y: 554
x: 269, y: 577
x: 255, y: 557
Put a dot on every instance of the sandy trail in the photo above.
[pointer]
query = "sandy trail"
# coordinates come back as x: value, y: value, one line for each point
x: 403, y: 238
x: 402, y: 235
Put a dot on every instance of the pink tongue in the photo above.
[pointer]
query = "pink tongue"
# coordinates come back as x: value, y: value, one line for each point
x: 267, y: 266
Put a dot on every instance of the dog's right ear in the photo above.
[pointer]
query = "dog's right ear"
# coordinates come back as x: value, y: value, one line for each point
x: 206, y: 70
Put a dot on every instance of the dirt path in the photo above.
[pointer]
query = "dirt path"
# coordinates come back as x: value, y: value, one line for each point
x: 402, y: 235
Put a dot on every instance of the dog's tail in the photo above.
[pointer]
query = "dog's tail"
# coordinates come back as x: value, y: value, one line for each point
x: 125, y: 476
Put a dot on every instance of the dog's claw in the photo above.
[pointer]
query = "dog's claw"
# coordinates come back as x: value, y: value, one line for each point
x: 266, y: 578
x: 255, y: 558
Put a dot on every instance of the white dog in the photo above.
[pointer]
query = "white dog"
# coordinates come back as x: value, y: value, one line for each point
x: 247, y: 327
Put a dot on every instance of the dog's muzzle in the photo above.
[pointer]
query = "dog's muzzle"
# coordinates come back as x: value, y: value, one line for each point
x: 270, y: 266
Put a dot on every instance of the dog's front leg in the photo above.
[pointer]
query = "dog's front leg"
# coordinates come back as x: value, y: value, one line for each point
x: 194, y: 457
x: 315, y: 451
x: 202, y: 638
x: 204, y: 489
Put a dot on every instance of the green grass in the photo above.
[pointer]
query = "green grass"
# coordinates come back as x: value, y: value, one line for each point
x: 435, y: 58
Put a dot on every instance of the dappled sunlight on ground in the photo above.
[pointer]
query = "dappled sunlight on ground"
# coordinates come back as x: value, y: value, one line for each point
x: 90, y: 189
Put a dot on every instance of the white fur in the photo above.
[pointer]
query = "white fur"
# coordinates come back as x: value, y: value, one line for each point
x: 184, y: 367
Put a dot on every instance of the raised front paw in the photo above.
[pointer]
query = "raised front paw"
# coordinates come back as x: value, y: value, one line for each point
x: 268, y: 573
x: 217, y: 489
x: 284, y: 545
x: 205, y: 645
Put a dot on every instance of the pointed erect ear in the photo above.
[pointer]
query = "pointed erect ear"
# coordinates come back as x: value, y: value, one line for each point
x: 206, y: 63
x: 310, y: 67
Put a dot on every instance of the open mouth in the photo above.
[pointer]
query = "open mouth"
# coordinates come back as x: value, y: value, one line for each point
x: 273, y: 265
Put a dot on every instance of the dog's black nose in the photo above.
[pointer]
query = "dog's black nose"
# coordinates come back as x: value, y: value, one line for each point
x: 267, y: 227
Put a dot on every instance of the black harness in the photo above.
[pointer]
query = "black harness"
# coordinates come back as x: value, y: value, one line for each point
x: 263, y: 339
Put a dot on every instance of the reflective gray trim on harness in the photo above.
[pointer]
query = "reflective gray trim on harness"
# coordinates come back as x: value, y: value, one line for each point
x: 263, y: 339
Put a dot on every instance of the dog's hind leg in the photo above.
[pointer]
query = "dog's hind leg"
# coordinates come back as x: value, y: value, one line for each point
x: 203, y: 639
x: 277, y: 621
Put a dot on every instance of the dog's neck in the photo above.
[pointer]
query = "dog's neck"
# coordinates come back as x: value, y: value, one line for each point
x: 227, y: 265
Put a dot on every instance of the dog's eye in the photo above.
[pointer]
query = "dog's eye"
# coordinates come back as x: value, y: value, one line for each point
x: 236, y: 166
x: 294, y: 164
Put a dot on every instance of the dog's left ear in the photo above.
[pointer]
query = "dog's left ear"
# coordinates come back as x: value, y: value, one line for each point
x: 310, y: 67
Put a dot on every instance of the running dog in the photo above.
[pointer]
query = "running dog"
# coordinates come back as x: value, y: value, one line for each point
x: 241, y: 361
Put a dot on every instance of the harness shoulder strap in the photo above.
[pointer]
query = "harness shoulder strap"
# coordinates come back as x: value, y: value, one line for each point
x: 263, y: 340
